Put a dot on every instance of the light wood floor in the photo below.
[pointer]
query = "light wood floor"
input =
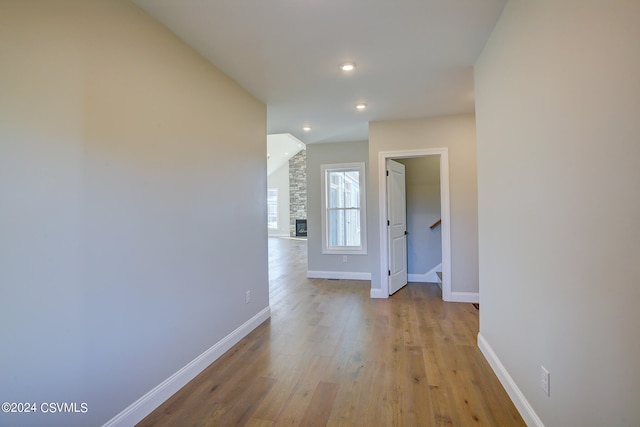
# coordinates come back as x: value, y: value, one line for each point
x: 332, y: 356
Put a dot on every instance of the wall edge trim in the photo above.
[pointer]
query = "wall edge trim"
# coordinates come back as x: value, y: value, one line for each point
x: 343, y: 275
x: 517, y: 397
x: 378, y: 293
x: 146, y: 404
x: 428, y: 277
x: 464, y: 297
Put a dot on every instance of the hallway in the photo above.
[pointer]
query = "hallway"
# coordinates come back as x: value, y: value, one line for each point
x: 330, y: 355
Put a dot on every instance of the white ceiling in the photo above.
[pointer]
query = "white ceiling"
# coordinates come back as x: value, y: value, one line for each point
x: 414, y: 57
x: 280, y: 148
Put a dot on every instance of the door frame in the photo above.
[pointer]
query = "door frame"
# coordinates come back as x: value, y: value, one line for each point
x: 443, y: 154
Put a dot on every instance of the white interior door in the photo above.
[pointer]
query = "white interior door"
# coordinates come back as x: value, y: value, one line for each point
x: 396, y: 225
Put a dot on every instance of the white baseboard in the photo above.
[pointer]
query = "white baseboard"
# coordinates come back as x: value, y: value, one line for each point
x: 524, y: 408
x: 142, y: 407
x: 464, y: 297
x: 377, y: 293
x: 421, y: 278
x: 428, y: 277
x: 345, y: 275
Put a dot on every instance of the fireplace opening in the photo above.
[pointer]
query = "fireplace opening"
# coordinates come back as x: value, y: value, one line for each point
x: 301, y: 227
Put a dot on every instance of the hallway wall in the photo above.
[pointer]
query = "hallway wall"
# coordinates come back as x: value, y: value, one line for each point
x: 457, y: 133
x: 558, y: 102
x: 132, y: 176
x: 330, y: 265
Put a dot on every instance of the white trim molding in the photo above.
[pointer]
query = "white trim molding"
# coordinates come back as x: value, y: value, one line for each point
x: 428, y: 277
x: 464, y: 297
x: 445, y: 214
x: 343, y: 275
x: 327, y: 169
x: 524, y: 408
x: 378, y: 293
x: 142, y: 407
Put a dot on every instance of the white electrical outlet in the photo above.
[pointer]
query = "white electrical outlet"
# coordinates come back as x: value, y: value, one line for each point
x: 247, y: 297
x: 544, y: 380
x: 344, y: 258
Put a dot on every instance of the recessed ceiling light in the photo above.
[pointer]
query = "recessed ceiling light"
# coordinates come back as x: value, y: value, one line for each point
x: 361, y: 106
x: 347, y: 66
x: 306, y: 128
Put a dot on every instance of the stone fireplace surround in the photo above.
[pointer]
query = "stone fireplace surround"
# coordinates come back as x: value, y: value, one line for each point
x: 297, y: 190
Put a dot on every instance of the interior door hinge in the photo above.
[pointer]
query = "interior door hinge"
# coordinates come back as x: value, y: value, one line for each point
x: 387, y: 173
x: 389, y: 272
x: 388, y: 223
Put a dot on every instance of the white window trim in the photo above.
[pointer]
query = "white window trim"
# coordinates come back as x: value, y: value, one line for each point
x: 344, y: 250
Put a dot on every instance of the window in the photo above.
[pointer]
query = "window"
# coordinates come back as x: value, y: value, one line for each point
x: 272, y: 208
x: 343, y: 209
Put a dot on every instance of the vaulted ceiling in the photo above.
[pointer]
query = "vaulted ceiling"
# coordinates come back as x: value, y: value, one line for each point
x: 414, y: 58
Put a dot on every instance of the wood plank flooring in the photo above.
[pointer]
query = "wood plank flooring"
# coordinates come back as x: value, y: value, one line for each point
x: 331, y: 356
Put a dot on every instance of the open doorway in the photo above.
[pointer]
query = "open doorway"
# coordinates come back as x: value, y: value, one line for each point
x: 286, y: 186
x: 423, y: 218
x: 386, y: 248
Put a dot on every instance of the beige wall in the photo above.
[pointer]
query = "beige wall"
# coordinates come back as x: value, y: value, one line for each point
x: 457, y: 133
x: 318, y: 155
x: 132, y: 176
x: 558, y: 108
